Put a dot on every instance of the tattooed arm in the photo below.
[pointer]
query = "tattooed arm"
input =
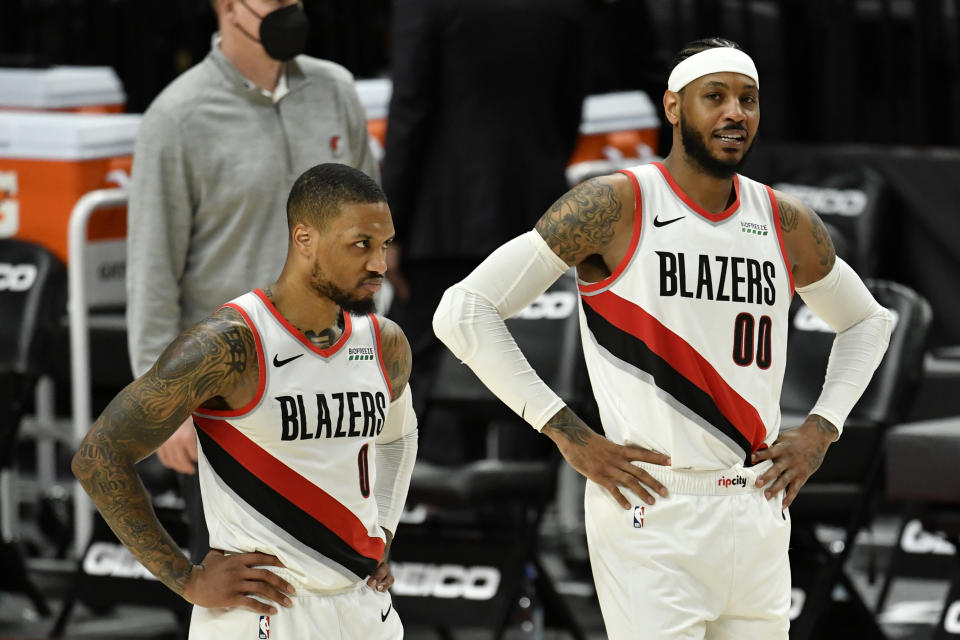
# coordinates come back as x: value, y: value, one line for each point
x: 809, y: 247
x: 213, y: 364
x: 832, y: 290
x: 591, y: 227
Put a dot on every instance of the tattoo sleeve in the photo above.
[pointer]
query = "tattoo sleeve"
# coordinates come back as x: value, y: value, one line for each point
x: 396, y: 355
x: 210, y: 361
x: 582, y: 222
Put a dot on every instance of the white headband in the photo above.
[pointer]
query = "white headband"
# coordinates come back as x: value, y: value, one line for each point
x: 715, y: 60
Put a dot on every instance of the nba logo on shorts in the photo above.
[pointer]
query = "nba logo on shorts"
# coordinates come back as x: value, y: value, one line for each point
x: 264, y: 627
x: 638, y: 517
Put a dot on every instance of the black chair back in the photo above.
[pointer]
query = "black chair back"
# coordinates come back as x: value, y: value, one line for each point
x: 888, y: 397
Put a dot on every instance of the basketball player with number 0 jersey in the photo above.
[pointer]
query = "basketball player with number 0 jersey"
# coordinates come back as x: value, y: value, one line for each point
x: 686, y: 270
x: 307, y: 436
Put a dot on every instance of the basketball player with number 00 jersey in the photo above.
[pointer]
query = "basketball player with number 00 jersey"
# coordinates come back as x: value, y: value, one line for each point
x: 686, y: 270
x: 307, y: 436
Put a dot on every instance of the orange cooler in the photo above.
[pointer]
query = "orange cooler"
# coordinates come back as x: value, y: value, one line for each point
x: 47, y: 162
x: 616, y: 130
x: 64, y: 88
x: 375, y: 97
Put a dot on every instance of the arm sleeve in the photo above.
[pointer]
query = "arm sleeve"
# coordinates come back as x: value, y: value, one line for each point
x: 159, y: 217
x: 396, y: 454
x: 469, y: 320
x: 863, y: 331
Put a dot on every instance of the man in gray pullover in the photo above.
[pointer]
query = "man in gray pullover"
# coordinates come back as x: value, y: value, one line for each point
x: 217, y: 153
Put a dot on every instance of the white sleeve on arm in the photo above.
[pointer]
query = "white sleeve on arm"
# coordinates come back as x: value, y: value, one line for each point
x: 863, y: 330
x: 470, y: 318
x: 396, y: 453
x: 159, y: 217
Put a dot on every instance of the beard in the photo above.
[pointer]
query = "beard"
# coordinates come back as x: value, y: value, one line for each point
x: 696, y: 148
x: 346, y: 301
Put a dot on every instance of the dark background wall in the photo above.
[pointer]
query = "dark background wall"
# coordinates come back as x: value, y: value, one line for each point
x: 862, y: 84
x: 876, y: 71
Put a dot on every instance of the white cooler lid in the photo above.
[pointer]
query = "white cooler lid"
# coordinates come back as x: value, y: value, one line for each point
x: 66, y: 136
x: 621, y: 111
x: 60, y: 87
x: 375, y: 96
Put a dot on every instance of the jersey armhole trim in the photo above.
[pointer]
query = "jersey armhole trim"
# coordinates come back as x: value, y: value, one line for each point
x: 383, y: 368
x: 261, y: 374
x: 775, y: 213
x: 634, y: 240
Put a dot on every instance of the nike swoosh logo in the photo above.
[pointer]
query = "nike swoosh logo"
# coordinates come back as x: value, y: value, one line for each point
x: 279, y: 363
x: 657, y: 222
x: 383, y: 616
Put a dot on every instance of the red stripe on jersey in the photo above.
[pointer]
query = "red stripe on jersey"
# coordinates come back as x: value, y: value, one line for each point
x: 294, y: 487
x: 687, y: 200
x: 634, y: 240
x: 678, y: 353
x: 776, y: 225
x: 296, y: 333
x: 383, y: 368
x: 261, y: 364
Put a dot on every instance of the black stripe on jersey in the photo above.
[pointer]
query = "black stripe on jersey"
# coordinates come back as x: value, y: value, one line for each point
x: 281, y: 512
x: 635, y: 352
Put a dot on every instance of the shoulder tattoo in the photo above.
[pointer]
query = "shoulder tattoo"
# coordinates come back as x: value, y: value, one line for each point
x: 582, y: 221
x: 823, y: 243
x: 396, y: 354
x: 789, y: 214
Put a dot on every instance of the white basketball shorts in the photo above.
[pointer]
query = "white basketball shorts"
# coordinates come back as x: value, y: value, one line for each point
x: 359, y: 614
x: 708, y: 562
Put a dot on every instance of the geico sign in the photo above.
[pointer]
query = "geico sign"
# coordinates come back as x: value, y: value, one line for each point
x: 17, y: 277
x: 841, y: 202
x: 553, y: 305
x: 951, y: 621
x: 446, y: 581
x: 114, y: 560
x: 916, y: 539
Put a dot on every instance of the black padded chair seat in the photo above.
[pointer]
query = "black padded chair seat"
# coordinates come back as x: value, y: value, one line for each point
x: 482, y: 482
x: 922, y: 461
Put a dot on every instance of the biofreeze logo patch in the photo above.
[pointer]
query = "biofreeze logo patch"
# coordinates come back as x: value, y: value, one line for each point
x: 360, y: 353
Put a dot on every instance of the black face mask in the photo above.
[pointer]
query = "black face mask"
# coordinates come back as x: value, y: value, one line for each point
x: 283, y: 33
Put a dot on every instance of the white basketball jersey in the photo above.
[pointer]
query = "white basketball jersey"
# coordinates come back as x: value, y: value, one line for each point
x: 291, y: 473
x: 685, y: 341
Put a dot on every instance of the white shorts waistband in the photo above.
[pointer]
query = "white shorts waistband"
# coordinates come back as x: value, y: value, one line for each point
x: 713, y: 482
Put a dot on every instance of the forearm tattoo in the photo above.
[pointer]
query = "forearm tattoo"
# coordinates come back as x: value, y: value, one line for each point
x: 205, y: 363
x: 582, y: 222
x: 568, y: 425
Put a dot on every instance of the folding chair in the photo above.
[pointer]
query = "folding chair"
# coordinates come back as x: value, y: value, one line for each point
x: 843, y: 492
x: 468, y: 561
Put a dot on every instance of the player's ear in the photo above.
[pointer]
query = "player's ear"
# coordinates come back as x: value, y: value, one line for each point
x: 303, y: 239
x: 671, y: 106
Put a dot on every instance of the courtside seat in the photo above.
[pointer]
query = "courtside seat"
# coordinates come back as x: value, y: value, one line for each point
x: 922, y: 475
x: 845, y: 490
x: 485, y: 513
x: 32, y: 301
x: 481, y: 482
